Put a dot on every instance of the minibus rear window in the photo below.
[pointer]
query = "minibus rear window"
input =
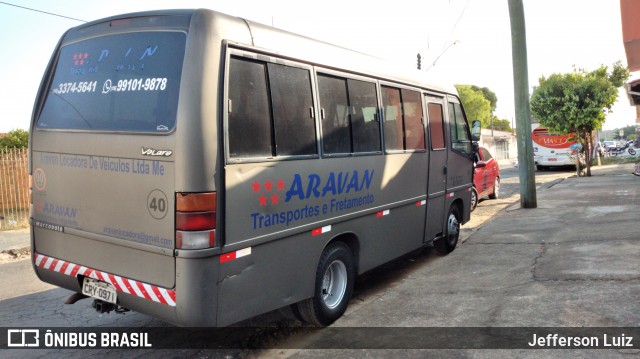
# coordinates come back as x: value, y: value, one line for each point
x: 125, y: 83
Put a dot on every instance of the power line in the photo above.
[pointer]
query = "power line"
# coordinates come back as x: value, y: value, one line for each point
x: 40, y: 11
x: 458, y: 20
x: 460, y: 17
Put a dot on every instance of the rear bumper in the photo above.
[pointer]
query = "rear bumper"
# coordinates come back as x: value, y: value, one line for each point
x: 184, y: 305
x: 123, y: 285
x: 555, y: 161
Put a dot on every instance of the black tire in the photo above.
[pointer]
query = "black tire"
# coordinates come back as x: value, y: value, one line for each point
x: 496, y: 189
x: 474, y: 199
x: 632, y: 152
x: 291, y: 312
x: 333, y: 287
x: 448, y: 243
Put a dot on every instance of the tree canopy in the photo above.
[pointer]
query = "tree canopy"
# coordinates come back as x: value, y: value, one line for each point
x: 15, y: 138
x: 476, y: 106
x: 489, y: 95
x: 577, y: 102
x: 479, y: 104
x: 501, y: 125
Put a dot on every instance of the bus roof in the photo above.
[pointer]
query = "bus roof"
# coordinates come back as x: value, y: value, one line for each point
x: 240, y: 31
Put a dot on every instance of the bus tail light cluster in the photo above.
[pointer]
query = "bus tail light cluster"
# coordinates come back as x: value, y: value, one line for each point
x: 195, y: 220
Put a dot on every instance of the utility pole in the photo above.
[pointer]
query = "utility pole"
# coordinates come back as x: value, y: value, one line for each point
x: 523, y: 112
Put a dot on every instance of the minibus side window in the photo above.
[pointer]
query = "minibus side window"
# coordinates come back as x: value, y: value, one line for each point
x: 436, y: 126
x: 412, y: 110
x: 364, y: 120
x: 249, y: 113
x: 270, y: 110
x: 393, y: 131
x: 460, y: 140
x: 403, y: 129
x: 349, y: 111
x: 295, y: 132
x: 336, y: 127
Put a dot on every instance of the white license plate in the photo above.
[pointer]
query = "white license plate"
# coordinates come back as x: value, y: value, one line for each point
x: 101, y: 290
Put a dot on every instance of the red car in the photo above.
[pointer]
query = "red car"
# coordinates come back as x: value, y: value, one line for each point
x: 486, y: 177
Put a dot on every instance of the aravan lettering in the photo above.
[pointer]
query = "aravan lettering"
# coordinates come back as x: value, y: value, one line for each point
x: 334, y: 184
x: 68, y: 212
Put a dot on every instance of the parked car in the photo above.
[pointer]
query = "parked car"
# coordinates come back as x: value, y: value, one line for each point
x: 609, y: 144
x: 486, y: 177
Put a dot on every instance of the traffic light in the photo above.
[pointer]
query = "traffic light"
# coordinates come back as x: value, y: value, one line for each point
x: 419, y: 62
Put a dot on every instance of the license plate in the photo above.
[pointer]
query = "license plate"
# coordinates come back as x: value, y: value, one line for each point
x: 101, y: 290
x: 553, y: 159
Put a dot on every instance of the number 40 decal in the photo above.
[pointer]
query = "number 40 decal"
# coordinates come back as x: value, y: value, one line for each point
x: 157, y: 204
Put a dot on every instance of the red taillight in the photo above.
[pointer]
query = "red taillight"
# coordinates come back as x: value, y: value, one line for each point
x: 195, y: 220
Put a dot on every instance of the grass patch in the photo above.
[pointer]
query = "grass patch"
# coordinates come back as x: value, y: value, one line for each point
x: 617, y: 160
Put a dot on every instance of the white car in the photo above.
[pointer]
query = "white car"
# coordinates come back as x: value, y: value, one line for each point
x: 608, y: 144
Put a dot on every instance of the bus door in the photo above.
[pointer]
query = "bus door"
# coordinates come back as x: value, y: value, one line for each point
x: 460, y: 176
x: 437, y: 169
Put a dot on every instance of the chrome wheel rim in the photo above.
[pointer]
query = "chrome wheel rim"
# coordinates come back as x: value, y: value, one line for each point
x: 334, y: 284
x: 474, y: 199
x: 453, y: 227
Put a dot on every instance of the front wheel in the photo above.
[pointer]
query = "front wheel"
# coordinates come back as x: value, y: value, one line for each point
x: 447, y: 244
x: 333, y: 287
x: 632, y: 152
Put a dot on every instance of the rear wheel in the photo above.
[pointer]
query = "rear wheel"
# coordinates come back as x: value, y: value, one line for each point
x: 474, y: 199
x: 333, y: 287
x: 447, y: 244
x: 496, y: 189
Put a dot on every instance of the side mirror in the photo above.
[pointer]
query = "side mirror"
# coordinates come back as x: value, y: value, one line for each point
x: 475, y: 130
x: 481, y: 164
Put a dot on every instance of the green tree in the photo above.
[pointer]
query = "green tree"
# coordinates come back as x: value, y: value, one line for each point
x: 501, y: 125
x: 489, y: 95
x: 576, y: 102
x: 16, y: 138
x: 476, y: 106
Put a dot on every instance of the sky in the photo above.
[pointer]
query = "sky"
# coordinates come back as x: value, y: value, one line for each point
x: 460, y: 41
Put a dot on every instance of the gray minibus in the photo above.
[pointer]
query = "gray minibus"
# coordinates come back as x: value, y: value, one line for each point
x: 204, y: 169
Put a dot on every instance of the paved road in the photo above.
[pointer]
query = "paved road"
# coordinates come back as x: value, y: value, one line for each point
x: 488, y: 209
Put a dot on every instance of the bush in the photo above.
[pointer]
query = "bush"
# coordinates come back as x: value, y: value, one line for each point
x: 618, y: 160
x: 15, y: 139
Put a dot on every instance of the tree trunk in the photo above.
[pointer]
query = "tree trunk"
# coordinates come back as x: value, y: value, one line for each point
x: 587, y: 155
